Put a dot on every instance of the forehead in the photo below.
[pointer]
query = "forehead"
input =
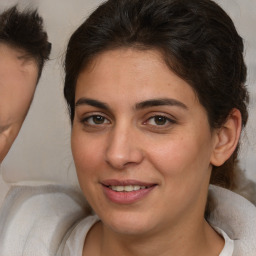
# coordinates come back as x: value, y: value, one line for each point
x: 15, y: 67
x: 11, y: 53
x: 130, y: 70
x: 17, y: 61
x: 10, y: 50
x: 134, y: 55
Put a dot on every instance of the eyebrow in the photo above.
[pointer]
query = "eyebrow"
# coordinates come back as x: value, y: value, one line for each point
x: 141, y: 105
x: 93, y: 103
x: 160, y: 102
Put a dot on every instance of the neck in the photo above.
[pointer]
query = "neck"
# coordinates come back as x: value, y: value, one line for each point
x: 193, y: 240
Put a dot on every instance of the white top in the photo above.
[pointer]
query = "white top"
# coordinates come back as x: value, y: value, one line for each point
x: 53, y: 220
x: 75, y: 242
x: 228, y: 248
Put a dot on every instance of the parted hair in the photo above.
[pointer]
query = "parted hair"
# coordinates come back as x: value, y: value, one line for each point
x: 24, y: 30
x: 198, y: 41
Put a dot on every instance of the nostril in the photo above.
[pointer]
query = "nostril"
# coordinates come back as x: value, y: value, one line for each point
x: 117, y: 163
x: 122, y: 149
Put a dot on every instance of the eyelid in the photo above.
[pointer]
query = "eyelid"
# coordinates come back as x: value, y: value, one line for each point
x: 91, y: 117
x: 83, y: 110
x: 163, y: 114
x: 86, y: 116
x: 171, y: 120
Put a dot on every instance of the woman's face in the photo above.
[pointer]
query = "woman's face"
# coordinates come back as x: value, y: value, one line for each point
x: 141, y: 143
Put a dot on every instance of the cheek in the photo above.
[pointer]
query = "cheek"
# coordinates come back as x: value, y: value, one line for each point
x: 183, y: 156
x: 87, y: 154
x: 184, y: 168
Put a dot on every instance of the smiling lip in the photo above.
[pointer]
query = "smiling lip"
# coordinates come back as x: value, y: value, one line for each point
x: 126, y: 191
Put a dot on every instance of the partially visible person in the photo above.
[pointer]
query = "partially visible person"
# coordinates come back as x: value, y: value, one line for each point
x: 24, y: 47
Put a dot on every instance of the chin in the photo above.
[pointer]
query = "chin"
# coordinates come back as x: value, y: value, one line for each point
x: 129, y: 223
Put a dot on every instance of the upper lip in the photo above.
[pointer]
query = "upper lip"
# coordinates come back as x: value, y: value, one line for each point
x: 114, y: 182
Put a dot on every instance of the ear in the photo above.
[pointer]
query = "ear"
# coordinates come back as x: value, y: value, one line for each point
x: 226, y: 138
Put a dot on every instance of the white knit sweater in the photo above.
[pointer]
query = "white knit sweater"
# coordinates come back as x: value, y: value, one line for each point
x: 39, y: 220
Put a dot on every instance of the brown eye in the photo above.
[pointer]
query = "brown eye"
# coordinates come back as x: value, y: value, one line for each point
x: 96, y: 120
x: 158, y: 120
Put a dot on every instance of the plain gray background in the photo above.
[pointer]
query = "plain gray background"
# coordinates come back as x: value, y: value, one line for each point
x: 42, y: 149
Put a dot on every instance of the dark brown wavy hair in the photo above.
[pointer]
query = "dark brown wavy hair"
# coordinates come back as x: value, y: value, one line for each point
x: 198, y: 41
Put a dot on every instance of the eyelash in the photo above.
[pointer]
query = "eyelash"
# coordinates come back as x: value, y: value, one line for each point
x: 86, y: 120
x: 91, y: 121
x: 162, y: 118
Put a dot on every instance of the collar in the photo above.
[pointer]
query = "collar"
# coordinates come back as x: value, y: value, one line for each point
x: 236, y: 216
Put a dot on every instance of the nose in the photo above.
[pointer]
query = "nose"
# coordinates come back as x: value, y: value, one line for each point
x: 123, y: 148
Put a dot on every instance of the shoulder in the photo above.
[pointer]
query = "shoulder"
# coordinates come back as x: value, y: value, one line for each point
x: 37, y: 218
x: 236, y: 216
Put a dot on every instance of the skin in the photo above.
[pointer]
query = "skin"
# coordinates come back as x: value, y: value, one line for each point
x: 123, y: 141
x: 17, y: 86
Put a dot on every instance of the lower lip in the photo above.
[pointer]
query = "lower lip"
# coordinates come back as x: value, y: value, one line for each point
x: 126, y: 197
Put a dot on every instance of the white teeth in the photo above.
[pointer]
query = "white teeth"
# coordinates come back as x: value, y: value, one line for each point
x: 136, y: 187
x: 128, y: 188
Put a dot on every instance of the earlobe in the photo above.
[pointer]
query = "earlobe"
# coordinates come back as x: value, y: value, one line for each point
x: 227, y: 138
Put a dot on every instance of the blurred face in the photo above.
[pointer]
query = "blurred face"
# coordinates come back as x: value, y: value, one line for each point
x: 17, y: 86
x: 141, y: 143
